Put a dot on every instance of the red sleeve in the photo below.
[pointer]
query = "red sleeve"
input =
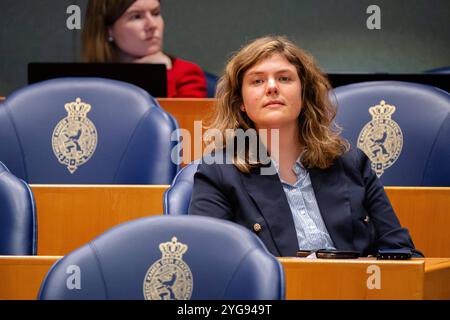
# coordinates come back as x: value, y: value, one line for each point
x: 186, y: 80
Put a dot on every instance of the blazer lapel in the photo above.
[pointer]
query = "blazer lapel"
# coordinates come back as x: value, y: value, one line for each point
x: 268, y: 195
x: 333, y: 200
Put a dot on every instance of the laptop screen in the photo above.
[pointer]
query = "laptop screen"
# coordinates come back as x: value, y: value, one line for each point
x: 150, y: 77
x: 433, y: 79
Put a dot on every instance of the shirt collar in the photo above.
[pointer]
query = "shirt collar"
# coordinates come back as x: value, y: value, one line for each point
x: 297, y: 167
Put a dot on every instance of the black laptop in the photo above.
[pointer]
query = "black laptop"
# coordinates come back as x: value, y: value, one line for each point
x: 150, y: 77
x: 439, y: 80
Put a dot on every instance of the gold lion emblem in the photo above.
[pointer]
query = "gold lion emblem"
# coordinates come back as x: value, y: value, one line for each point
x: 74, y: 138
x: 381, y: 139
x: 169, y: 278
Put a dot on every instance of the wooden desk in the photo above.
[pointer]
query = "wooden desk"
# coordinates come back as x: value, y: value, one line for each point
x: 21, y: 277
x: 348, y: 279
x: 191, y: 114
x: 72, y: 215
x: 426, y: 213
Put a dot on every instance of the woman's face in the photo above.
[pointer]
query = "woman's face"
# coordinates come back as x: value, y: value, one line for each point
x: 271, y: 92
x: 139, y: 31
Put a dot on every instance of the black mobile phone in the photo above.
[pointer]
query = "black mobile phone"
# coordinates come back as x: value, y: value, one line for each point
x: 394, y: 254
x: 337, y: 254
x: 329, y: 254
x: 304, y: 253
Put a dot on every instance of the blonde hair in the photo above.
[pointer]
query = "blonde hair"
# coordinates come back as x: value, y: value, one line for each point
x: 100, y: 15
x: 318, y: 132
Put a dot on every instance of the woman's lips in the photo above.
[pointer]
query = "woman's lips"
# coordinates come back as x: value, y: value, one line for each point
x: 273, y: 103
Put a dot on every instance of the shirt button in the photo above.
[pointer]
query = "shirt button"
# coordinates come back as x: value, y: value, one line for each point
x: 302, y: 211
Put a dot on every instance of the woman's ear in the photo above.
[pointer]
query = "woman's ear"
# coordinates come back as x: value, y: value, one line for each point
x: 242, y: 108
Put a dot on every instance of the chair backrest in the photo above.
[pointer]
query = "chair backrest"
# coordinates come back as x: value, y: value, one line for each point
x: 178, y: 196
x: 86, y: 130
x: 404, y: 128
x: 168, y: 257
x: 18, y: 225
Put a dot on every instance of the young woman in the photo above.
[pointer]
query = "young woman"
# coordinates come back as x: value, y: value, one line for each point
x: 323, y: 194
x: 133, y: 31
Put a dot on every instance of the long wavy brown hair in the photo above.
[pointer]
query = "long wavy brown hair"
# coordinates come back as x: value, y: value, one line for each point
x: 100, y: 15
x: 318, y: 131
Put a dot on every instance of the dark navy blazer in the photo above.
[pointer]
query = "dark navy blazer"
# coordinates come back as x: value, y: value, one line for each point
x: 351, y: 199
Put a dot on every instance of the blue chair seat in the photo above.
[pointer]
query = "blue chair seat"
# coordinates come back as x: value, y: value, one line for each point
x: 168, y: 257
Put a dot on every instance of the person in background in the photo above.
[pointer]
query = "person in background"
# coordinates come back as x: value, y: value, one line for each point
x: 132, y: 31
x: 322, y: 194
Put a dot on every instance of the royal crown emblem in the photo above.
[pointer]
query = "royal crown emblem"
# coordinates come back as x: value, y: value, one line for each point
x: 169, y: 278
x: 381, y: 139
x: 74, y: 138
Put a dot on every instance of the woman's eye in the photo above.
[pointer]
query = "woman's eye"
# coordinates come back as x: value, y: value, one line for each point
x: 257, y: 81
x: 135, y: 16
x: 156, y: 13
x: 284, y: 79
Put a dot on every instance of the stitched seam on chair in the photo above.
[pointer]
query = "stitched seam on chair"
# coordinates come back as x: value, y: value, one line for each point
x: 432, y: 147
x: 18, y: 138
x: 47, y: 276
x: 166, y: 197
x: 35, y: 229
x: 235, y: 272
x: 99, y: 265
x: 166, y: 209
x: 144, y: 116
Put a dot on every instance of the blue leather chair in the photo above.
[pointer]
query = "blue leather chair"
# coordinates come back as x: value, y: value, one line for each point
x: 403, y: 127
x: 178, y: 196
x: 86, y: 131
x: 18, y: 226
x: 168, y: 257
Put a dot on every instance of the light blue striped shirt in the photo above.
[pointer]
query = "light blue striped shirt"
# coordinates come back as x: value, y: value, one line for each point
x: 312, y: 233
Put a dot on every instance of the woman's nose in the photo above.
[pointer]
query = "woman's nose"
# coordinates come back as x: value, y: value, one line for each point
x: 150, y: 21
x: 272, y: 87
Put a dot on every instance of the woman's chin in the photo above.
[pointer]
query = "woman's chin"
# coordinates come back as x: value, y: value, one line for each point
x: 274, y: 122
